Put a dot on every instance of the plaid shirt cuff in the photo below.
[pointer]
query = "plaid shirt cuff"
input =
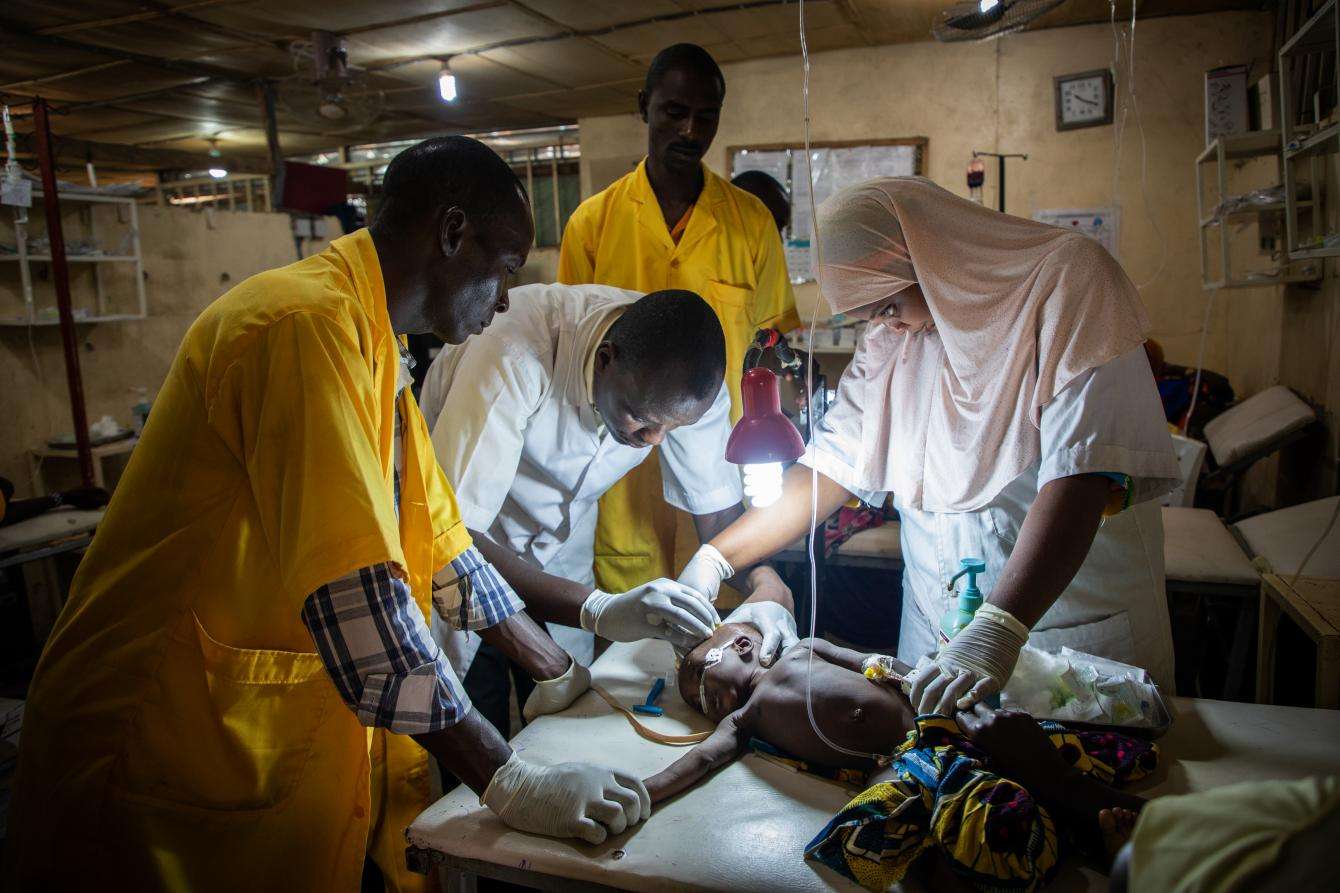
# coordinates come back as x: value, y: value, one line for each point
x: 470, y: 594
x: 378, y: 651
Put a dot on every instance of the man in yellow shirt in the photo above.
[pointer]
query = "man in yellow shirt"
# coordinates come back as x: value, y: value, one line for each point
x: 674, y: 224
x: 242, y: 692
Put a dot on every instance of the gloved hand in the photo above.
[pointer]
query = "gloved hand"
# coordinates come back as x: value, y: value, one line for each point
x: 567, y: 800
x: 706, y: 571
x: 975, y: 664
x: 776, y: 624
x: 661, y: 609
x: 556, y: 695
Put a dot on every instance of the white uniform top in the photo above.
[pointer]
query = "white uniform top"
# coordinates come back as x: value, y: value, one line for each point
x: 515, y: 430
x: 1109, y: 419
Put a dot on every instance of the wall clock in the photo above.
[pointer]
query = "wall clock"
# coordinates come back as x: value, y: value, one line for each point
x: 1084, y: 99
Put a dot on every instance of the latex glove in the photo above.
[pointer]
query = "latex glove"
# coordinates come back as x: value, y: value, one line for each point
x: 661, y: 609
x: 556, y: 695
x: 975, y: 664
x: 568, y: 800
x: 706, y: 571
x: 776, y: 624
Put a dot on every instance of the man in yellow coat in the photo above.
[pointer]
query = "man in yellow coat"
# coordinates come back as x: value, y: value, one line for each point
x: 673, y: 223
x: 242, y: 692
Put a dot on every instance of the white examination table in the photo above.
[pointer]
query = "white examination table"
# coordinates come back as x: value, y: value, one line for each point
x: 745, y: 828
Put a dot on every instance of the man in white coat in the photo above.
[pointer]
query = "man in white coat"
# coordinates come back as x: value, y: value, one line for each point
x: 537, y: 417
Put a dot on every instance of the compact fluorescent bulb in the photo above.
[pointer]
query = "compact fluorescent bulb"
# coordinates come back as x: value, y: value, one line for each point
x: 446, y: 83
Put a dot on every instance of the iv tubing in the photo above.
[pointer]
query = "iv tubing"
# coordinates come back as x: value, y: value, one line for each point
x: 817, y: 253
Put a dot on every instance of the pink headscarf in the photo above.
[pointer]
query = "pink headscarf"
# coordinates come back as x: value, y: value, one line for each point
x: 1020, y: 308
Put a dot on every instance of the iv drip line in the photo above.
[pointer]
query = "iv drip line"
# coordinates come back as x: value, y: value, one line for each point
x: 816, y: 246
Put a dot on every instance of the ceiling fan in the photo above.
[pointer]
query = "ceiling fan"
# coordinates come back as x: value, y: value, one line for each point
x: 980, y: 19
x: 324, y: 89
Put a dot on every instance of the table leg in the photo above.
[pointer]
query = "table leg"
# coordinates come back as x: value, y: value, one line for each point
x: 454, y: 881
x: 1266, y: 634
x: 1328, y: 672
x: 1235, y: 687
x: 35, y: 473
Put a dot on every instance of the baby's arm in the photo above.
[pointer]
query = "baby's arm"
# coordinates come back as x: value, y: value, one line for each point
x: 846, y: 657
x: 722, y: 746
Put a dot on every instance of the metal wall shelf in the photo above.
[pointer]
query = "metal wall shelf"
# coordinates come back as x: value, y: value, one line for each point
x: 1309, y: 142
x: 1239, y: 147
x: 32, y: 315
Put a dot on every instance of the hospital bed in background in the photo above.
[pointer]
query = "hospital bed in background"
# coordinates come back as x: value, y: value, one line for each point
x: 745, y: 828
x: 1248, y: 432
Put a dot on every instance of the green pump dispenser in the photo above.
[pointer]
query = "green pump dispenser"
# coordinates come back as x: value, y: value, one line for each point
x: 969, y: 600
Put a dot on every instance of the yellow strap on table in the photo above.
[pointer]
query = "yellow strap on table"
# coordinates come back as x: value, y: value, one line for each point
x: 650, y: 734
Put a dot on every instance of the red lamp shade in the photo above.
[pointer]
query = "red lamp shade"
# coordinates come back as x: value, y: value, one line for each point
x: 762, y: 434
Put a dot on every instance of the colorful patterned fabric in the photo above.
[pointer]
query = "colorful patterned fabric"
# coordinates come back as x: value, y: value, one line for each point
x: 944, y: 796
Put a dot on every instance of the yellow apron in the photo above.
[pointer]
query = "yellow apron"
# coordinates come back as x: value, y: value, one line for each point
x: 731, y: 254
x: 181, y: 733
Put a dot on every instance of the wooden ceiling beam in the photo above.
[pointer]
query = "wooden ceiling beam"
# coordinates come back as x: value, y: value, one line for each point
x: 116, y: 154
x: 90, y: 24
x: 847, y: 9
x: 426, y: 17
x: 14, y: 32
x: 62, y: 75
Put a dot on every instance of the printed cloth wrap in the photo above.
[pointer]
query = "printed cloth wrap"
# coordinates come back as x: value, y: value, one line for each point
x: 944, y: 795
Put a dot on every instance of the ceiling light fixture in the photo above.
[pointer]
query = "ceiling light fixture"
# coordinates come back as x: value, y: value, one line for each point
x: 446, y: 82
x: 218, y: 173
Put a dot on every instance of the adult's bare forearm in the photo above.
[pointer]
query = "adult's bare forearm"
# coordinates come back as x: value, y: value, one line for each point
x: 1053, y: 542
x: 762, y: 533
x: 548, y: 598
x: 528, y: 644
x: 472, y: 750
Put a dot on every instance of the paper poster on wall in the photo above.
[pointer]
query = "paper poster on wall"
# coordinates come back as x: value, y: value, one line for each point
x: 834, y: 168
x: 1103, y: 224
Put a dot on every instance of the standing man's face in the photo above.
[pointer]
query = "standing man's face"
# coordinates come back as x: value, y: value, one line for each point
x: 682, y: 114
x: 469, y: 281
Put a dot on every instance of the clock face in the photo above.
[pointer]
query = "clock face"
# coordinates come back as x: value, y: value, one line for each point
x: 1083, y: 101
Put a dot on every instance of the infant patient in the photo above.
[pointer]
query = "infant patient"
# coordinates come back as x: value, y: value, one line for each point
x: 980, y: 789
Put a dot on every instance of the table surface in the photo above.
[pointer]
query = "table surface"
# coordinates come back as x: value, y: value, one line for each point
x: 745, y: 828
x: 49, y: 527
x: 112, y: 448
x: 1317, y: 599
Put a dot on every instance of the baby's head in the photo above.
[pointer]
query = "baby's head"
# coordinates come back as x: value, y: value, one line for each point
x: 716, y: 678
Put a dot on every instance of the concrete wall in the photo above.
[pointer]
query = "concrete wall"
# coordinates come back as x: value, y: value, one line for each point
x: 190, y: 258
x: 998, y: 96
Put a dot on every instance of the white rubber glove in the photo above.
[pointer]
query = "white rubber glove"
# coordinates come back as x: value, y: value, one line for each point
x: 661, y: 609
x: 975, y: 664
x: 556, y: 695
x: 706, y: 571
x: 776, y: 624
x: 567, y: 800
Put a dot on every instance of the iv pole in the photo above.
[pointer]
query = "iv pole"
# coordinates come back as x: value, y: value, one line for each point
x: 1000, y: 168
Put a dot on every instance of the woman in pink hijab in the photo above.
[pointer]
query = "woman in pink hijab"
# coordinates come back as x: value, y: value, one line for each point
x: 1001, y: 394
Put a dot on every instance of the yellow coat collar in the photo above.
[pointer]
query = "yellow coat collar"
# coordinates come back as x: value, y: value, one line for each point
x: 703, y: 218
x: 359, y: 254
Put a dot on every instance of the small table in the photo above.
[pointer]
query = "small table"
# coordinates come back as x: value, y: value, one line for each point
x: 101, y: 452
x: 38, y: 540
x: 1313, y: 603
